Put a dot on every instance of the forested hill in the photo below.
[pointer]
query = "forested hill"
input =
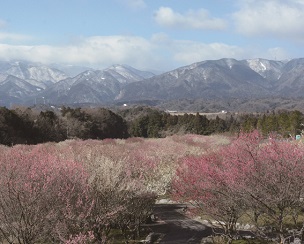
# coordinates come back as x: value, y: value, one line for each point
x: 27, y: 126
x: 30, y: 126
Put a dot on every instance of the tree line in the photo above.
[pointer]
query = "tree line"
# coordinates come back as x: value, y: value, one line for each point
x: 159, y: 124
x: 30, y: 126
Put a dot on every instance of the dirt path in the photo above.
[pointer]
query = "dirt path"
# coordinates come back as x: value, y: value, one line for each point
x: 174, y: 227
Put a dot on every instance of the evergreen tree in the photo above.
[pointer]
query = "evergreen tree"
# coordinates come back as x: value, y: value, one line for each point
x: 217, y: 125
x: 49, y: 127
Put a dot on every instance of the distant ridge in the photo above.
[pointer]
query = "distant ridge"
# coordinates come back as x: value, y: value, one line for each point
x: 25, y: 83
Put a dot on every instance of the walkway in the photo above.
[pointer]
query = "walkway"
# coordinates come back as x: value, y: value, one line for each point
x: 175, y: 228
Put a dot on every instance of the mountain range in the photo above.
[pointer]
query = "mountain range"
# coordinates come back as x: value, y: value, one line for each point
x: 27, y: 83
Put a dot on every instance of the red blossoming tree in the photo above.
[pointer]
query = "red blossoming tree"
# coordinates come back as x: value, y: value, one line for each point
x: 260, y: 178
x: 42, y: 199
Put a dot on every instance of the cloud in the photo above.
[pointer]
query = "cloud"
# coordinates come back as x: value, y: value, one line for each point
x: 98, y: 51
x: 193, y: 19
x: 5, y: 36
x: 188, y: 52
x: 183, y: 52
x: 277, y: 53
x: 160, y: 52
x: 3, y: 24
x: 275, y: 18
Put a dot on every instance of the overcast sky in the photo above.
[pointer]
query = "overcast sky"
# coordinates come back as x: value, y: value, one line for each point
x: 150, y: 34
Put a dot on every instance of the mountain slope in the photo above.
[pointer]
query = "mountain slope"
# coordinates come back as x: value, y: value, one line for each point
x: 269, y: 69
x: 291, y: 82
x: 36, y: 74
x: 25, y: 82
x: 127, y: 74
x: 93, y: 86
x: 207, y: 79
x: 15, y: 87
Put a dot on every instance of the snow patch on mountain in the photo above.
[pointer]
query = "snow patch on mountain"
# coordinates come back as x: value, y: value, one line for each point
x: 258, y: 65
x: 127, y: 74
x: 269, y: 69
x: 174, y: 73
x: 34, y: 73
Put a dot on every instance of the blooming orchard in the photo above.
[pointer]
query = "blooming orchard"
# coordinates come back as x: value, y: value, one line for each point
x: 260, y: 178
x: 80, y: 191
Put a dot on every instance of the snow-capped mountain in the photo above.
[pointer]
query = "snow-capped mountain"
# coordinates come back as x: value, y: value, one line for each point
x: 14, y: 90
x: 93, y: 86
x: 127, y: 74
x: 269, y: 69
x: 222, y: 79
x: 70, y: 70
x: 208, y: 79
x: 34, y: 73
x: 291, y: 82
x: 23, y: 82
x: 16, y: 87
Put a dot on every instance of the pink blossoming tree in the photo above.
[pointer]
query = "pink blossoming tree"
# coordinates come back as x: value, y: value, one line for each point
x: 42, y: 198
x: 260, y: 178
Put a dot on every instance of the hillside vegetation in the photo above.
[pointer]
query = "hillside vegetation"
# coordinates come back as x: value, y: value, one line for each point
x: 103, y: 191
x: 87, y: 191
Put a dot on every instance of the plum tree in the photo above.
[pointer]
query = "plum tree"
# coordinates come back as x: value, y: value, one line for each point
x: 42, y: 198
x: 253, y: 176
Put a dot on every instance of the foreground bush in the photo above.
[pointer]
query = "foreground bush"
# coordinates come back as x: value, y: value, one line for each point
x: 42, y: 199
x: 84, y: 191
x: 262, y: 179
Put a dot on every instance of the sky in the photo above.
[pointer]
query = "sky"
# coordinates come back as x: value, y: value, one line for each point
x: 150, y: 34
